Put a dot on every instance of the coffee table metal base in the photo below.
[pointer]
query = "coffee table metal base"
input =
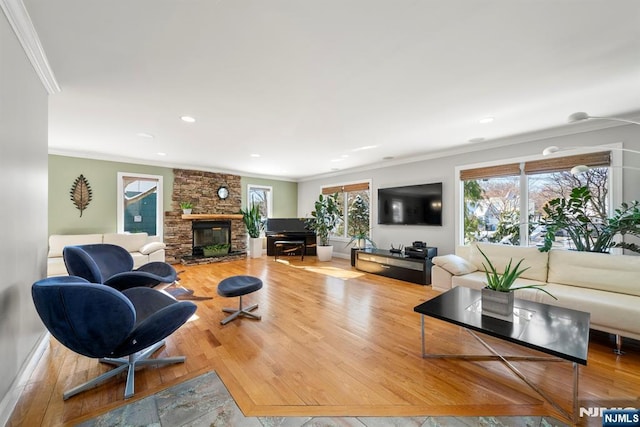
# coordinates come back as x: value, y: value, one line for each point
x: 505, y: 359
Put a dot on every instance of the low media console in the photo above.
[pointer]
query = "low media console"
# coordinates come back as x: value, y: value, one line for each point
x: 397, y: 265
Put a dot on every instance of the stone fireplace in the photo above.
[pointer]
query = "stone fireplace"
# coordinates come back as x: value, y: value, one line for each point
x: 200, y: 188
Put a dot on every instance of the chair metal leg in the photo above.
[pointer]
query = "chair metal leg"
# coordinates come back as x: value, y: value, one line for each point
x: 240, y: 311
x: 126, y: 363
x: 618, y: 349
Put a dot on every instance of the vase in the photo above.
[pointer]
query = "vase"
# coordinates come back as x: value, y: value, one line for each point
x: 186, y: 211
x: 324, y: 253
x: 255, y: 247
x: 497, y: 304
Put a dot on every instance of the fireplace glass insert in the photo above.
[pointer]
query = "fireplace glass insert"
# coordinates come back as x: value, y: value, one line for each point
x: 208, y: 233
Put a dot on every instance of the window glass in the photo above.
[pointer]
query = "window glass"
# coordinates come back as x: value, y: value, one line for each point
x: 548, y: 186
x: 492, y: 210
x: 140, y: 204
x: 261, y: 196
x: 350, y: 197
x: 492, y: 205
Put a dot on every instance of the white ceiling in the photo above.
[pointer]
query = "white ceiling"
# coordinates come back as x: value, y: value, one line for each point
x: 306, y: 84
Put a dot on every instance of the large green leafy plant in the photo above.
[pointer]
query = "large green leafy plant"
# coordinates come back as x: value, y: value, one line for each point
x: 503, y: 282
x: 358, y: 219
x: 252, y: 220
x: 325, y: 217
x: 589, y: 232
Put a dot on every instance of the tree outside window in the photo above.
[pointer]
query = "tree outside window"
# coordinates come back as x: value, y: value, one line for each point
x: 260, y: 196
x: 351, y: 196
x: 492, y: 204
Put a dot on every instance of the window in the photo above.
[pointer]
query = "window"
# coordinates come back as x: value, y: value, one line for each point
x: 139, y: 204
x: 351, y: 196
x: 494, y: 197
x: 261, y: 196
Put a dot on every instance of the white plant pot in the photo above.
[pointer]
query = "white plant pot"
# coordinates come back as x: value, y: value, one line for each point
x: 255, y: 247
x: 324, y: 253
x: 186, y: 211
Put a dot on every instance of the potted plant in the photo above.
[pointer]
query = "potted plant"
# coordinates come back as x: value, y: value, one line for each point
x: 358, y: 228
x: 586, y: 230
x: 253, y: 221
x: 186, y: 207
x: 324, y: 218
x: 216, y: 250
x: 497, y: 295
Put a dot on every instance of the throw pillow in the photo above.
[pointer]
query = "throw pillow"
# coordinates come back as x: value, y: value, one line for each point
x: 454, y: 264
x: 152, y: 247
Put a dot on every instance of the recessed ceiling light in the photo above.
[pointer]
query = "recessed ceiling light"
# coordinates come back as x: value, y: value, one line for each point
x: 161, y: 154
x: 487, y: 119
x: 187, y: 119
x: 144, y: 135
x: 254, y: 155
x: 344, y: 156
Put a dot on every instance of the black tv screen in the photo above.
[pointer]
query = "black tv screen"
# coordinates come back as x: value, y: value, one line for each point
x: 411, y: 205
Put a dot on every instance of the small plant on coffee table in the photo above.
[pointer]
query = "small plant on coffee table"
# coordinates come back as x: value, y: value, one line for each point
x: 503, y: 282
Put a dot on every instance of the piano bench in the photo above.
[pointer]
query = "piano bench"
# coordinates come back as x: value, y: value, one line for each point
x: 283, y: 247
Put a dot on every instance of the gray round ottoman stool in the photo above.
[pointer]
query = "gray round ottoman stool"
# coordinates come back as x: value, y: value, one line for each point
x: 237, y: 286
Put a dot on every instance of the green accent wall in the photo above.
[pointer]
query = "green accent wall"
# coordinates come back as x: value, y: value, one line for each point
x: 101, y: 216
x: 285, y: 195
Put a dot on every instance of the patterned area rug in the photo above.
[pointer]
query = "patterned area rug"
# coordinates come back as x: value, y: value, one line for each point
x: 205, y: 401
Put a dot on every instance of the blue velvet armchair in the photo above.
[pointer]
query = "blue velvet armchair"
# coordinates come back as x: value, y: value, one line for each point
x: 122, y: 328
x: 112, y: 265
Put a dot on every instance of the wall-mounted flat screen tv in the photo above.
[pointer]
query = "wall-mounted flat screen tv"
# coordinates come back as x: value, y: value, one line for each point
x: 411, y: 205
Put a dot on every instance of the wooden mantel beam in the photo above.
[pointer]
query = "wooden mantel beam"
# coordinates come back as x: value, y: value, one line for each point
x: 195, y: 217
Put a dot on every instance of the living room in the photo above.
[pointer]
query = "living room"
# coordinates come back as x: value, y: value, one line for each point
x: 38, y: 178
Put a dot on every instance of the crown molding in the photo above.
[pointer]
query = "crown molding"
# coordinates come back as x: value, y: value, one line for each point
x: 162, y: 164
x: 20, y: 21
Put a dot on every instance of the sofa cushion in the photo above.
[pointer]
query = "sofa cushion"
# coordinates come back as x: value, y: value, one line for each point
x: 152, y: 247
x: 132, y: 242
x: 610, y: 311
x: 139, y: 259
x: 454, y: 264
x: 500, y: 255
x: 57, y: 242
x: 613, y: 273
x: 56, y: 267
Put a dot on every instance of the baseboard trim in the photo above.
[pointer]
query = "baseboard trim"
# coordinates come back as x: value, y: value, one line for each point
x: 8, y: 403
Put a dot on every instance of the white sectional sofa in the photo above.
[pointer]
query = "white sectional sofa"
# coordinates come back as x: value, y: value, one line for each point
x: 605, y: 285
x: 142, y: 247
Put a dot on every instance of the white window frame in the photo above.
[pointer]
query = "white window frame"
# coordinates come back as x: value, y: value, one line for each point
x: 614, y: 195
x: 269, y: 197
x: 159, y: 201
x: 344, y: 214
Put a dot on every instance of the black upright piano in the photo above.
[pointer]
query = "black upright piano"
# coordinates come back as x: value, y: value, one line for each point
x: 289, y: 229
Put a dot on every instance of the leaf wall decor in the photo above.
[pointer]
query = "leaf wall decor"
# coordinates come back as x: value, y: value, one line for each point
x: 81, y: 193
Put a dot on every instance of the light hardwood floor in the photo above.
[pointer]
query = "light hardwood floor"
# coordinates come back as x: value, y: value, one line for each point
x: 332, y: 341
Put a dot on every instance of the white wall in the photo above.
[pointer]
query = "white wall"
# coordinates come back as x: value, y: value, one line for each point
x: 23, y: 216
x: 442, y: 168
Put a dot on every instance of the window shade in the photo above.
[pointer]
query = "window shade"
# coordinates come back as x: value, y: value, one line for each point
x: 600, y: 159
x: 490, y: 172
x: 359, y: 186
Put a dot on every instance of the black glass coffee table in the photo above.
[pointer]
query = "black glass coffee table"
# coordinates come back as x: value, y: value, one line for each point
x: 559, y: 332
